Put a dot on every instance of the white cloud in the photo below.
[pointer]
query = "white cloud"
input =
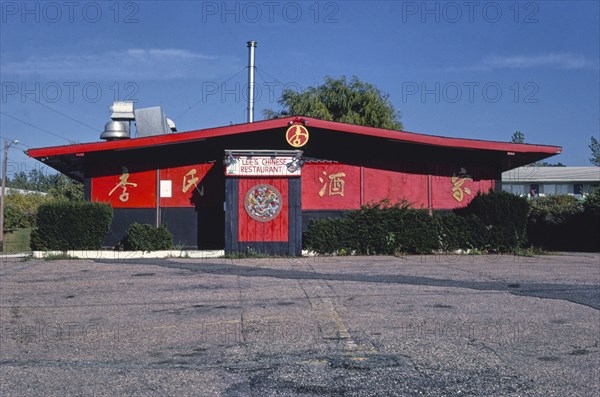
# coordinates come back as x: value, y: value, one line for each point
x: 128, y: 64
x: 550, y: 60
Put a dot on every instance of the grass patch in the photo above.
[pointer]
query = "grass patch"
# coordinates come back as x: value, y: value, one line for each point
x: 58, y: 257
x: 250, y: 253
x: 17, y: 241
x: 245, y: 255
x: 530, y: 251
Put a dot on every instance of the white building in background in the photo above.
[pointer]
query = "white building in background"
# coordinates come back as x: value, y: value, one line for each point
x: 534, y: 181
x: 10, y: 190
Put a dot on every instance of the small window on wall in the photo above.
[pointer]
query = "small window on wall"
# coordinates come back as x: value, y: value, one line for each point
x: 578, y: 189
x: 549, y: 189
x: 518, y: 189
x: 562, y: 188
x: 534, y: 190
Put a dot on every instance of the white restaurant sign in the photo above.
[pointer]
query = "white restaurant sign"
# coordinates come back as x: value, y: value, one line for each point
x: 262, y: 166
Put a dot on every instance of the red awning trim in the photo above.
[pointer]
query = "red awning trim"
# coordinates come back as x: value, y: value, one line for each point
x: 400, y: 136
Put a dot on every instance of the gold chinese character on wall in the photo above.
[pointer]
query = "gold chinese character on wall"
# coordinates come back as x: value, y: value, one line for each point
x: 190, y: 179
x: 333, y: 184
x: 123, y: 183
x: 458, y: 191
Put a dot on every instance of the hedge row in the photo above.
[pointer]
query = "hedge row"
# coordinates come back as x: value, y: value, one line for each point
x: 82, y: 225
x: 377, y: 229
x: 70, y: 225
x: 461, y: 232
x: 564, y: 223
x: 144, y: 237
x: 504, y: 216
x: 494, y: 222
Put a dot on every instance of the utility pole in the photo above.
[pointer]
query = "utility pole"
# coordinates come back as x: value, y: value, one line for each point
x: 3, y: 191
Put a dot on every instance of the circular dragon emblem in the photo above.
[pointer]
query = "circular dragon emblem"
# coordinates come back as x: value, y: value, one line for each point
x: 263, y: 202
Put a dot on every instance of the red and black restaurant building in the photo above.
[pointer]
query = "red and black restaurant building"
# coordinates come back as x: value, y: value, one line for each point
x: 256, y: 185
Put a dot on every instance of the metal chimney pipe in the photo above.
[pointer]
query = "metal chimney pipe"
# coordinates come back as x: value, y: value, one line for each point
x: 251, y: 47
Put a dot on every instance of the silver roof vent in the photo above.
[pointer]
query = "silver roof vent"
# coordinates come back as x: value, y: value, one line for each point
x: 150, y: 122
x: 122, y: 111
x: 120, y: 126
x: 114, y: 130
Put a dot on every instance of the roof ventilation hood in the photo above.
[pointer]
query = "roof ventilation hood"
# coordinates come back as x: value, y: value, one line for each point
x: 120, y: 126
x: 152, y: 121
x: 114, y: 130
x: 148, y: 122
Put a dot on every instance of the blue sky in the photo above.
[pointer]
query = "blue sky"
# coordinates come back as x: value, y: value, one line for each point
x: 476, y: 69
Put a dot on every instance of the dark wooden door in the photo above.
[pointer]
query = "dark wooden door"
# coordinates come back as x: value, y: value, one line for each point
x: 263, y: 215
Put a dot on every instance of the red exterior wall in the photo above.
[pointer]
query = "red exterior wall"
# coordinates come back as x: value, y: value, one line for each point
x: 395, y: 186
x: 184, y: 181
x: 335, y: 186
x: 444, y: 197
x: 126, y: 187
x: 132, y: 188
x: 328, y: 186
x: 325, y: 186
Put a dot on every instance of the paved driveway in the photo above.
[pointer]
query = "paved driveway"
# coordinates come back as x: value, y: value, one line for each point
x: 358, y: 326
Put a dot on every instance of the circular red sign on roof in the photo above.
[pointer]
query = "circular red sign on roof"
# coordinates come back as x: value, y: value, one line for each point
x: 297, y: 135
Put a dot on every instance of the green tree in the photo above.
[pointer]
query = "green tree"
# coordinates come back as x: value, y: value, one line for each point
x: 353, y: 102
x: 518, y: 137
x: 56, y: 185
x: 39, y: 181
x: 595, y: 148
x: 20, y: 209
x: 66, y: 188
x: 18, y: 181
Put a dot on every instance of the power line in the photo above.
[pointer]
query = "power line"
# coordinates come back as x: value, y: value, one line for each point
x: 201, y: 100
x: 260, y: 75
x: 259, y: 69
x: 13, y: 139
x: 36, y: 127
x: 59, y: 112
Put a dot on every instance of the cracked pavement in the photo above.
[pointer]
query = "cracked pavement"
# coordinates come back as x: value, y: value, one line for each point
x: 320, y: 326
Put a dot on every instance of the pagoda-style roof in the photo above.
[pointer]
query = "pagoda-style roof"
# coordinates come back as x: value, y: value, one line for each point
x: 328, y: 140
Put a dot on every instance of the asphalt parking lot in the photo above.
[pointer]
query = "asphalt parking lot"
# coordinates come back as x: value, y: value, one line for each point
x: 337, y: 326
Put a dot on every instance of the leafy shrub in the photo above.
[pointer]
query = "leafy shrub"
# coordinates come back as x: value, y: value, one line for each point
x: 376, y: 229
x: 416, y: 233
x: 20, y: 209
x: 591, y: 205
x: 327, y: 236
x: 491, y: 222
x: 562, y: 222
x: 144, y: 237
x: 551, y: 221
x: 505, y: 217
x: 590, y: 229
x: 461, y: 232
x: 13, y: 218
x: 71, y: 225
x: 554, y: 209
